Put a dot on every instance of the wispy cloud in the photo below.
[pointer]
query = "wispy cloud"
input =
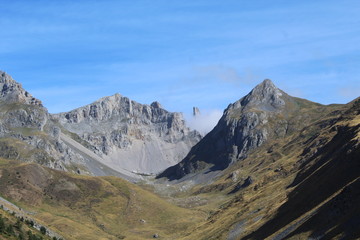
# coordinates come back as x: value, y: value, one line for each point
x: 223, y: 74
x: 350, y: 92
x: 204, y: 122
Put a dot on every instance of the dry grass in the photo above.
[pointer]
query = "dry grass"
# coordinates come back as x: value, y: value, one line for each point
x: 84, y: 207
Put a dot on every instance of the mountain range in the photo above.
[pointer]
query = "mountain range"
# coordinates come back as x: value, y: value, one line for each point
x: 274, y: 167
x: 112, y: 136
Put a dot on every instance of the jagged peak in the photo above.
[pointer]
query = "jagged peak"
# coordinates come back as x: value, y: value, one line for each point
x: 196, y: 111
x: 265, y: 96
x: 266, y: 87
x: 113, y: 97
x: 156, y: 104
x: 5, y: 77
x: 13, y: 92
x: 267, y: 81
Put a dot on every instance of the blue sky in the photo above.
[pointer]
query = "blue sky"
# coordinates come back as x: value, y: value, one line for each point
x: 182, y: 53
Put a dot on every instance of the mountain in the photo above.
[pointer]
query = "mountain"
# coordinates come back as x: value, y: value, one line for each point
x: 25, y: 130
x: 113, y: 136
x: 302, y: 186
x: 325, y: 193
x: 265, y: 114
x: 28, y: 133
x: 145, y: 139
x: 274, y: 167
x: 12, y: 92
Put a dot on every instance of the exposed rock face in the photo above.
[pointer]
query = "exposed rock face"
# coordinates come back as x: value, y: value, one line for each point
x: 26, y: 130
x: 22, y: 125
x: 196, y: 111
x: 132, y: 136
x: 12, y: 92
x: 18, y: 108
x: 263, y: 114
x: 118, y: 136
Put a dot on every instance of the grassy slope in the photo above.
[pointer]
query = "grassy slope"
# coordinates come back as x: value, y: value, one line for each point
x: 19, y: 228
x: 83, y: 207
x: 276, y: 171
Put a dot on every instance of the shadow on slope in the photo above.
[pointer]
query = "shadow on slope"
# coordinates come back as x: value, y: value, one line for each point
x: 336, y: 165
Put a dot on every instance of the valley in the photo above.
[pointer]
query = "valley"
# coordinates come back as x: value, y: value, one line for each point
x: 274, y: 167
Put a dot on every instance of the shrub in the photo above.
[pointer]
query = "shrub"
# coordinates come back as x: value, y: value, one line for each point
x: 43, y: 230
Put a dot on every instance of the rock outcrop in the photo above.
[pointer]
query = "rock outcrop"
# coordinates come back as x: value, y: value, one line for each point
x: 26, y: 130
x: 12, y: 91
x: 265, y: 113
x: 18, y: 107
x: 196, y: 111
x: 113, y: 136
x: 145, y: 139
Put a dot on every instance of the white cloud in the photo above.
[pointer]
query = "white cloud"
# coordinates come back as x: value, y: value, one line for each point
x: 204, y: 122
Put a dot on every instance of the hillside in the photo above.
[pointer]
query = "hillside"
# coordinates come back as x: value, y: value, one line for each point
x: 112, y: 136
x: 265, y: 114
x: 274, y: 167
x: 304, y: 186
x: 84, y: 207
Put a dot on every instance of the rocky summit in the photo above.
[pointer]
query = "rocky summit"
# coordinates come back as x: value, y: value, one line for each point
x: 12, y: 91
x: 144, y: 139
x: 112, y: 136
x: 265, y: 113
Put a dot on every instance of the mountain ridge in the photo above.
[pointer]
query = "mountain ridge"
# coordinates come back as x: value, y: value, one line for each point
x: 275, y: 167
x: 123, y: 127
x: 133, y: 135
x: 13, y: 92
x: 265, y: 113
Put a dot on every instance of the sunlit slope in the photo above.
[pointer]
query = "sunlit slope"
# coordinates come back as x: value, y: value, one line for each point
x: 82, y: 207
x: 304, y: 185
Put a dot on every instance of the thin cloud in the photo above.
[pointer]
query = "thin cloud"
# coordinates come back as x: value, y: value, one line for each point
x: 349, y: 92
x: 204, y: 122
x: 218, y: 73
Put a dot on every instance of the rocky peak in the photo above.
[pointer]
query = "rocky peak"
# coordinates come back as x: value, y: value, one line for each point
x: 196, y: 111
x: 265, y: 96
x: 137, y: 137
x: 246, y: 124
x: 12, y: 91
x: 117, y: 107
x: 156, y: 105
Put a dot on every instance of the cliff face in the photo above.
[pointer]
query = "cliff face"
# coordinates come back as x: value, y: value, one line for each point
x: 12, y: 91
x: 19, y: 108
x: 265, y: 113
x: 139, y: 138
x: 26, y: 130
x: 112, y: 136
x: 305, y: 185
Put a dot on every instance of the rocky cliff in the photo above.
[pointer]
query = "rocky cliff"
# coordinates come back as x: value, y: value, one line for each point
x: 265, y: 113
x: 113, y: 136
x: 12, y: 91
x: 26, y: 130
x: 304, y: 185
x: 140, y: 138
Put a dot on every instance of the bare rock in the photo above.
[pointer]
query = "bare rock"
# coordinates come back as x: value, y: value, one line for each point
x: 196, y: 111
x: 245, y: 125
x: 144, y: 139
x: 12, y: 91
